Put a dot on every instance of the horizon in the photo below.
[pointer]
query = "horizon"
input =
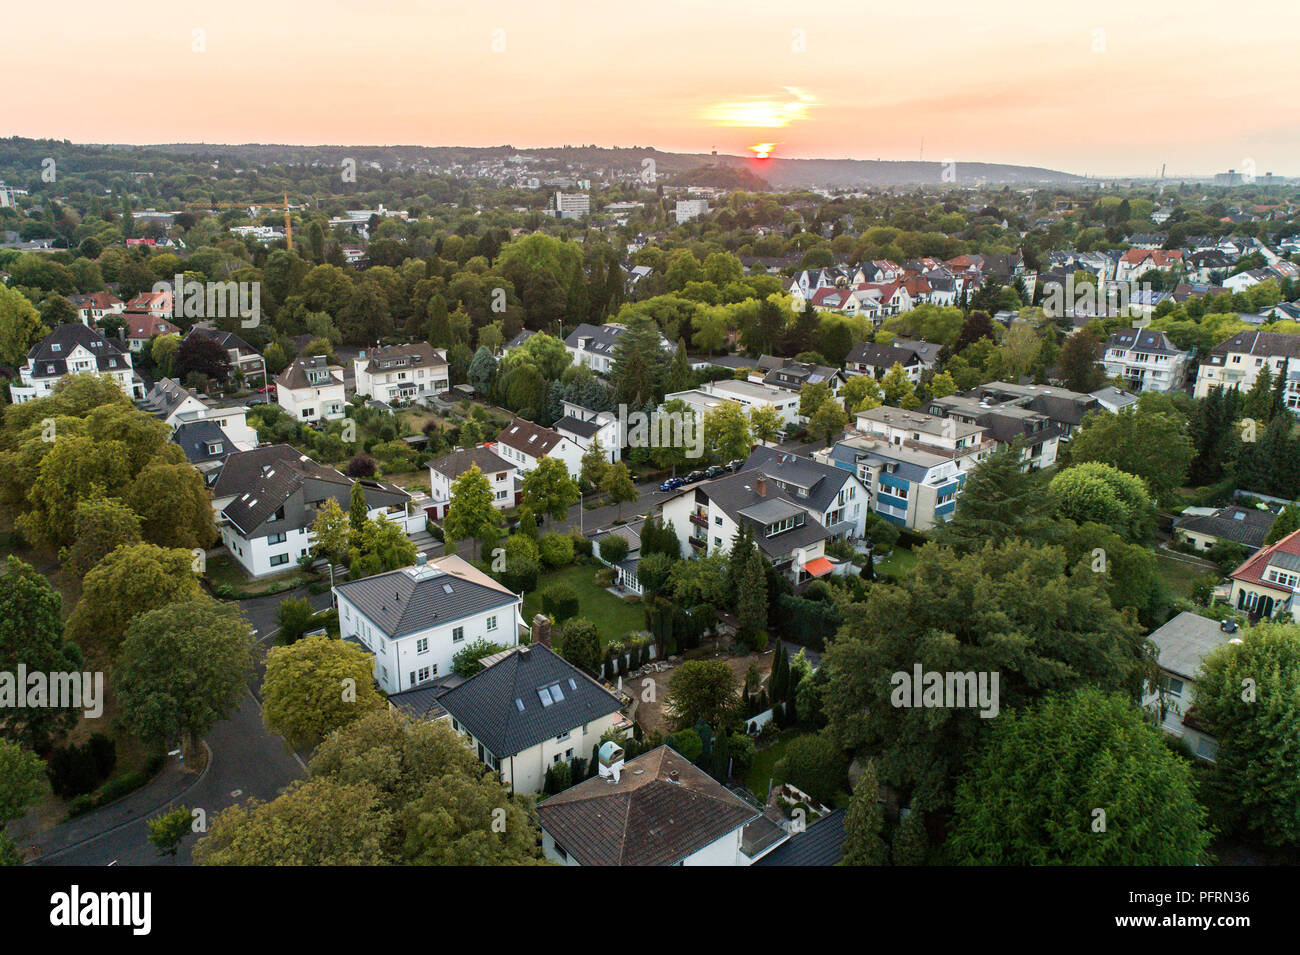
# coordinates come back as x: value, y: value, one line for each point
x: 1107, y: 92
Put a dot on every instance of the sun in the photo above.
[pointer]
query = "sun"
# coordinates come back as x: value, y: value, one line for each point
x: 763, y: 150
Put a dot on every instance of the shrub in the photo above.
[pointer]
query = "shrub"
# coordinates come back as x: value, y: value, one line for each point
x: 556, y: 550
x: 560, y: 601
x: 521, y: 574
x: 76, y: 770
x: 814, y: 764
x: 294, y: 617
x: 580, y: 644
x: 613, y: 548
x: 604, y: 577
x: 466, y: 662
x: 361, y: 466
x: 581, y: 545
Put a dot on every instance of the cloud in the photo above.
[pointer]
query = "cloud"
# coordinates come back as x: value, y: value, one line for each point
x: 763, y: 113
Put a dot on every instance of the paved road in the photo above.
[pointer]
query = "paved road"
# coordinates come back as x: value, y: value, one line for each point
x: 247, y: 761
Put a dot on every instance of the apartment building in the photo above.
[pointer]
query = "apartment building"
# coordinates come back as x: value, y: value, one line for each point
x: 1237, y: 362
x: 1145, y: 359
x: 402, y: 373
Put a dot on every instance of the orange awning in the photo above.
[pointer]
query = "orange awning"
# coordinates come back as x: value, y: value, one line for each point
x: 819, y: 567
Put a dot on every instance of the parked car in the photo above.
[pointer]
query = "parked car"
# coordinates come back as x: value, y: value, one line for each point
x: 734, y: 465
x: 716, y: 471
x: 694, y: 476
x: 672, y: 484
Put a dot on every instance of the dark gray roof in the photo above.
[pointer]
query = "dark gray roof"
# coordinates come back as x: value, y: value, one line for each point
x: 262, y: 480
x: 1142, y: 339
x: 413, y: 355
x: 196, y: 437
x: 227, y: 340
x: 49, y: 356
x: 458, y: 462
x: 583, y: 429
x: 1183, y: 642
x: 166, y: 396
x: 646, y: 818
x: 297, y: 374
x: 823, y: 481
x: 422, y: 703
x: 603, y: 338
x: 505, y: 705
x: 881, y: 356
x: 737, y: 493
x: 822, y: 843
x: 1257, y: 343
x: 1243, y: 525
x: 402, y: 602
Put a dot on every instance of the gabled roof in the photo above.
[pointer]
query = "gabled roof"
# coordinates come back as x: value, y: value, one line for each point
x: 457, y: 463
x: 738, y: 496
x: 262, y: 480
x: 1143, y: 339
x: 1268, y: 344
x: 227, y: 340
x: 532, y: 439
x: 1285, y: 554
x: 881, y: 356
x: 166, y: 396
x: 402, y: 602
x: 198, y: 438
x: 1242, y: 525
x: 412, y: 355
x: 295, y: 376
x: 140, y: 325
x: 528, y: 696
x: 647, y: 817
x: 822, y: 481
x: 583, y: 429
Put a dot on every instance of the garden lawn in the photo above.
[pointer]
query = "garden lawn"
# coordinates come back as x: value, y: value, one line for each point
x: 613, y: 617
x: 1181, y: 575
x: 760, y: 771
x: 898, y: 563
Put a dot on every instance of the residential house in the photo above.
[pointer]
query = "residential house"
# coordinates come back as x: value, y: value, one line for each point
x: 528, y: 710
x: 1006, y: 424
x: 594, y: 345
x: 74, y: 349
x: 777, y: 372
x: 1065, y: 408
x: 1114, y: 399
x: 311, y: 389
x: 1237, y: 362
x: 92, y: 308
x: 141, y: 327
x: 913, y: 465
x: 834, y: 496
x: 245, y: 361
x: 585, y: 427
x: 658, y: 809
x: 1182, y: 644
x: 869, y: 358
x: 788, y: 530
x: 1145, y: 359
x: 750, y: 395
x: 1266, y: 581
x: 415, y: 620
x: 402, y: 373
x: 820, y: 843
x: 501, y: 474
x: 523, y: 444
x: 267, y: 500
x: 1134, y: 262
x: 1203, y: 527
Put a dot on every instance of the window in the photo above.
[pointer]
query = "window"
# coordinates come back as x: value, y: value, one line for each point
x: 458, y: 634
x: 1172, y: 685
x: 277, y: 538
x: 423, y: 674
x: 279, y: 559
x: 491, y: 624
x: 422, y: 645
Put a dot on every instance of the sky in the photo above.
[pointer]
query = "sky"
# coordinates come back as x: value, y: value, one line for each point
x: 1110, y: 87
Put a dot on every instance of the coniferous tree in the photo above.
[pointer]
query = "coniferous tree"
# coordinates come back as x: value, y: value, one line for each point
x: 865, y: 823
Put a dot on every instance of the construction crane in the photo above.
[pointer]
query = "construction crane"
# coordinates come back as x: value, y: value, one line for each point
x: 288, y: 223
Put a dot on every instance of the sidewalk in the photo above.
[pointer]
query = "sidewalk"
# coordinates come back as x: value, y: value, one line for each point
x: 163, y: 791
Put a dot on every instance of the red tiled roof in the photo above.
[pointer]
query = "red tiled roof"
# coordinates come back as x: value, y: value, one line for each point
x: 1252, y: 570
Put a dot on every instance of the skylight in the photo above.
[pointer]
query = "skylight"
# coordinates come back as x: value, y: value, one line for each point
x: 545, y: 695
x: 446, y: 588
x: 519, y: 703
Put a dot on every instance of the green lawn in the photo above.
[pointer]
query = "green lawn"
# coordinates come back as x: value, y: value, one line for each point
x: 1180, y: 575
x: 222, y: 569
x: 613, y: 617
x: 760, y: 771
x: 898, y: 563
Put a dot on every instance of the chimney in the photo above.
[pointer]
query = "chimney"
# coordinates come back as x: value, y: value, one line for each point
x: 672, y: 777
x: 760, y: 485
x: 542, y: 630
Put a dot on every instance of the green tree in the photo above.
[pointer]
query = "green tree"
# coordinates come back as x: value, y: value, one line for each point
x: 20, y: 326
x: 315, y: 686
x: 1143, y: 441
x: 22, y: 781
x: 702, y: 690
x: 1248, y: 695
x: 726, y: 431
x: 1000, y: 500
x: 293, y: 618
x: 1286, y: 522
x: 1078, y: 779
x: 357, y: 507
x: 618, y: 486
x: 1103, y: 493
x: 132, y: 580
x: 332, y: 532
x: 174, y: 504
x: 100, y: 526
x: 765, y: 423
x: 580, y: 644
x: 864, y: 824
x: 472, y: 513
x: 166, y: 831
x: 181, y: 669
x: 751, y: 601
x: 549, y: 489
x: 828, y: 421
x: 595, y: 462
x: 860, y: 393
x: 897, y: 389
x: 31, y: 633
x: 815, y: 764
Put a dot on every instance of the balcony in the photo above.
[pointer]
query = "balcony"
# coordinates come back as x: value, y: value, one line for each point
x: 698, y: 542
x: 700, y: 519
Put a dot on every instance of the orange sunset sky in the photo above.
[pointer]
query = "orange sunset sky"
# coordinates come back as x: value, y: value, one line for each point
x: 1109, y: 87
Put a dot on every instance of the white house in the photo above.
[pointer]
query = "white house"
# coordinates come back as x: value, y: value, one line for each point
x: 834, y: 496
x: 1237, y: 362
x: 1181, y: 644
x: 416, y: 619
x: 501, y: 474
x: 178, y: 406
x: 402, y: 373
x: 529, y: 710
x: 657, y: 809
x: 311, y: 389
x: 267, y: 499
x: 1146, y: 359
x: 750, y: 395
x: 585, y: 427
x: 74, y: 349
x: 593, y: 345
x: 523, y: 444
